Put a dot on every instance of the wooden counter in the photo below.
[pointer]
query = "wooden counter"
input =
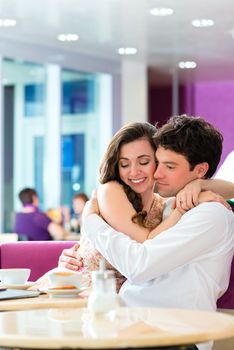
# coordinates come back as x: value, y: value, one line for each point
x: 131, y: 327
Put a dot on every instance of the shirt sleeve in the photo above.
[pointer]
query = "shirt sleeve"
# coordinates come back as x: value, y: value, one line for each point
x: 197, y: 234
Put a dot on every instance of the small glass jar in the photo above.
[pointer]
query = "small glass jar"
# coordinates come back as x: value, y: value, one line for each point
x: 103, y: 297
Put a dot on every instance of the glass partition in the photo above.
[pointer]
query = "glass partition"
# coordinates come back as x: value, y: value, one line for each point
x: 83, y: 125
x: 81, y: 131
x: 24, y: 91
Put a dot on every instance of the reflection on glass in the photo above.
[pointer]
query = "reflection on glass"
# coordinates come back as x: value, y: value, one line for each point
x: 24, y: 118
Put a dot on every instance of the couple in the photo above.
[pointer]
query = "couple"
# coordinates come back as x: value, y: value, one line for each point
x: 188, y: 264
x: 185, y: 260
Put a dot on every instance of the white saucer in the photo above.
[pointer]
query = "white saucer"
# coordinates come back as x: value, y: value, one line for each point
x: 63, y: 293
x: 19, y: 286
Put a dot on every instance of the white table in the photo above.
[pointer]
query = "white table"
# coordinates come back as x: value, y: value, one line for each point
x: 76, y: 328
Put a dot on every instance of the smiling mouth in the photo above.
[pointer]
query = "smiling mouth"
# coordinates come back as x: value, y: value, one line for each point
x: 137, y: 181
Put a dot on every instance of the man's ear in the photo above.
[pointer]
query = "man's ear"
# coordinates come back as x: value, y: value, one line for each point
x: 201, y: 169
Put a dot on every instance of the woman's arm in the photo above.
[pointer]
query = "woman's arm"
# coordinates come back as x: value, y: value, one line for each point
x: 209, y: 196
x: 188, y: 197
x: 205, y: 196
x: 222, y: 187
x: 172, y: 219
x: 117, y: 211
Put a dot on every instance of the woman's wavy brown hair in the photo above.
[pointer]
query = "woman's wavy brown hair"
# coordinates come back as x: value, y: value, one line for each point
x: 109, y: 168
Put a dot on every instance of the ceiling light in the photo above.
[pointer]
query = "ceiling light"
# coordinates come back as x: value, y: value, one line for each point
x: 187, y: 64
x: 7, y: 22
x: 127, y: 51
x: 68, y: 37
x: 202, y: 23
x: 163, y: 11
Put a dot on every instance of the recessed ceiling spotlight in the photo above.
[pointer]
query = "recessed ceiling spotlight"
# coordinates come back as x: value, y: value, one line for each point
x: 162, y: 11
x: 68, y: 37
x: 202, y: 23
x: 127, y: 51
x: 187, y: 64
x: 7, y: 22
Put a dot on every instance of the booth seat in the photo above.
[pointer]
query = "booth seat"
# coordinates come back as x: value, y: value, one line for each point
x: 39, y: 256
x: 42, y: 256
x: 227, y: 300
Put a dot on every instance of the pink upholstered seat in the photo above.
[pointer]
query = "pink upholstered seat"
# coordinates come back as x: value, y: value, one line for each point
x: 227, y: 300
x: 40, y: 256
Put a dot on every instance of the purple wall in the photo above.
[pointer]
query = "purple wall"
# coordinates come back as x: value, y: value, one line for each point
x: 212, y: 100
x: 215, y: 102
x: 159, y: 104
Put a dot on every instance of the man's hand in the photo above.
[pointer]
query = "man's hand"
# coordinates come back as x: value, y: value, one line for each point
x: 91, y: 206
x: 70, y: 258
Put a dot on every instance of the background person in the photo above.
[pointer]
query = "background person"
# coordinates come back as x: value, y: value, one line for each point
x: 78, y: 203
x: 34, y: 224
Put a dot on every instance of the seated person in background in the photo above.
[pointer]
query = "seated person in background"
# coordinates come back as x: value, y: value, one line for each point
x: 56, y: 215
x: 33, y: 223
x: 78, y: 204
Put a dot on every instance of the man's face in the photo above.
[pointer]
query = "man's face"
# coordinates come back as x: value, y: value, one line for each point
x: 173, y: 172
x: 35, y: 201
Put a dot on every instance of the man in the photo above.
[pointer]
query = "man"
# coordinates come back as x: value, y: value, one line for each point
x: 188, y: 265
x: 33, y: 224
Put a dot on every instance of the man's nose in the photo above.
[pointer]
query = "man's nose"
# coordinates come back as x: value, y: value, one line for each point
x: 157, y: 173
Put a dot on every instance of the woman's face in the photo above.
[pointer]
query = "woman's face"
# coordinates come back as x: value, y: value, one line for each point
x: 137, y: 165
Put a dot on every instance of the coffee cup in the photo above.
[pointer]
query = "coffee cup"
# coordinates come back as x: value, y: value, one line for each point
x: 60, y: 279
x: 14, y: 276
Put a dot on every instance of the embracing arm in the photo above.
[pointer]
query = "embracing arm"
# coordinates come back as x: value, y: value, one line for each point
x: 189, y: 195
x: 172, y: 219
x: 222, y: 187
x: 117, y: 211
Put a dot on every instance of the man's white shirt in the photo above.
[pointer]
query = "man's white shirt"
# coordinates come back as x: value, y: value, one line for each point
x: 186, y: 266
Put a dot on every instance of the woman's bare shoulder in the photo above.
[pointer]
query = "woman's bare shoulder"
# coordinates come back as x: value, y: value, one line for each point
x: 110, y: 187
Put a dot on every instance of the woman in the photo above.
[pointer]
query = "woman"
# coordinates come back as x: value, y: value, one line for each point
x: 126, y: 196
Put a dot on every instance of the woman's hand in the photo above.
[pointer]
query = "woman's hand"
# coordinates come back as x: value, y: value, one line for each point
x: 70, y: 258
x: 188, y: 197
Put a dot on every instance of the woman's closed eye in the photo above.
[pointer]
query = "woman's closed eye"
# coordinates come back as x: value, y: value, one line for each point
x: 123, y: 165
x: 144, y: 162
